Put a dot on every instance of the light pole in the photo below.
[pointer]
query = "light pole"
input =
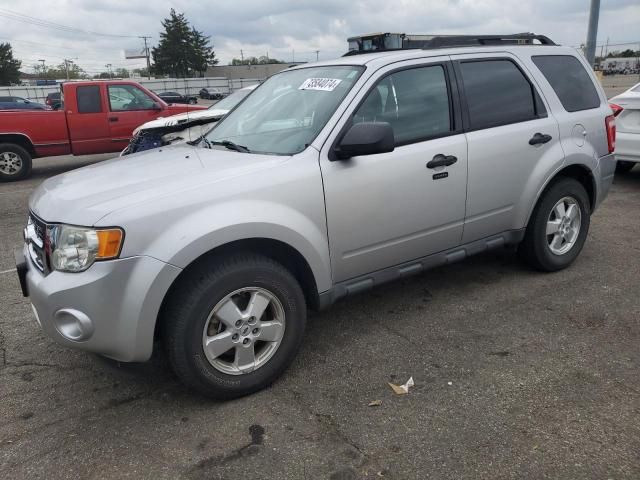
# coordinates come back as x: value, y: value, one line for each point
x: 44, y: 69
x: 592, y: 33
x: 108, y: 65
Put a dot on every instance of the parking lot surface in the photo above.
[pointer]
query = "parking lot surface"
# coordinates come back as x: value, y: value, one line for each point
x: 518, y: 375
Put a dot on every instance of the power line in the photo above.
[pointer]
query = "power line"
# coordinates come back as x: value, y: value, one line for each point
x: 19, y: 17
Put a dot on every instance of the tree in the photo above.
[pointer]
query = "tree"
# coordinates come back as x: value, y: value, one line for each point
x: 628, y: 53
x: 60, y: 72
x: 182, y: 51
x: 9, y: 67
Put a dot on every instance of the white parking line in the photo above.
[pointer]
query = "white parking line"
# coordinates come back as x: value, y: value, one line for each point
x: 8, y: 271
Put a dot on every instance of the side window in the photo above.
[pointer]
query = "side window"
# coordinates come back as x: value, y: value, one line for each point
x: 498, y: 93
x: 414, y: 102
x: 89, y: 100
x: 569, y: 80
x: 128, y: 97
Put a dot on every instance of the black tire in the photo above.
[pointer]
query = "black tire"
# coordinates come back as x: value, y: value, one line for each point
x: 535, y: 249
x: 192, y: 101
x: 623, y: 166
x: 8, y: 171
x: 189, y: 304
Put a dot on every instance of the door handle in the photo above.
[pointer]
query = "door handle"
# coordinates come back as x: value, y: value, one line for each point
x: 539, y: 139
x: 441, y: 160
x: 113, y: 119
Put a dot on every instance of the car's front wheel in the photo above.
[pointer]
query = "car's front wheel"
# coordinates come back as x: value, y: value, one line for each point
x: 558, y: 226
x: 233, y: 325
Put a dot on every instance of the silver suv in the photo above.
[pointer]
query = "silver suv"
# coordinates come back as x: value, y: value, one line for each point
x: 328, y: 179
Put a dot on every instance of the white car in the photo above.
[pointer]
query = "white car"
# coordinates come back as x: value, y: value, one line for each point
x: 184, y: 127
x: 628, y: 128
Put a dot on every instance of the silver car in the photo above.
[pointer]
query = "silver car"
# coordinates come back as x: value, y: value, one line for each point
x: 329, y: 179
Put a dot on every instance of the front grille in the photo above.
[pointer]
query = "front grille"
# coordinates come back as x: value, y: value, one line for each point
x: 35, y: 236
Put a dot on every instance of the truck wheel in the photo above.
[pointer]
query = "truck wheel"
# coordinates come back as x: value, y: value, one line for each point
x: 233, y: 326
x: 558, y: 227
x: 15, y: 162
x: 623, y: 166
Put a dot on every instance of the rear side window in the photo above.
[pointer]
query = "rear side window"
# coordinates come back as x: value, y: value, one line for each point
x: 89, y: 100
x: 569, y: 80
x: 498, y: 93
x: 414, y: 102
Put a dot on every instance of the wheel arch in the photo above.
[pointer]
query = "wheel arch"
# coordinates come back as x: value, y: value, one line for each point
x: 19, y: 139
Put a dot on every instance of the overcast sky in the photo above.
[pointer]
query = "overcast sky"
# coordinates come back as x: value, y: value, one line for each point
x: 282, y: 27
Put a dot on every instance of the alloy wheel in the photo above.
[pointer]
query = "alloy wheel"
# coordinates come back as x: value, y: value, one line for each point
x: 563, y: 225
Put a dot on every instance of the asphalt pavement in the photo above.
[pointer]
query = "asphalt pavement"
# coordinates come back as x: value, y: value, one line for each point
x: 518, y: 374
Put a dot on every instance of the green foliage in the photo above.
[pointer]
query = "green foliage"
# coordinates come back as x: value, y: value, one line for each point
x: 182, y: 51
x: 264, y: 60
x: 624, y: 54
x: 60, y: 72
x: 9, y: 67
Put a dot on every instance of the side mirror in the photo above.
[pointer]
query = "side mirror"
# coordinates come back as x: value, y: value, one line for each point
x: 157, y: 106
x: 366, y: 138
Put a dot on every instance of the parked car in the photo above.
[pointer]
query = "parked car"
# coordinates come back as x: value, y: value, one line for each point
x: 627, y: 109
x: 19, y: 103
x: 99, y: 117
x: 211, y: 93
x: 54, y: 100
x: 175, y: 97
x: 329, y: 179
x: 183, y: 127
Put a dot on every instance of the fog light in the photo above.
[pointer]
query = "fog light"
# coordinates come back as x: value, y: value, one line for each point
x: 73, y: 324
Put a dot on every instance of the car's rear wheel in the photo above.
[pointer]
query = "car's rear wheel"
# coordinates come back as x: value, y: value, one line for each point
x: 558, y: 226
x: 233, y: 325
x: 623, y: 166
x: 15, y: 162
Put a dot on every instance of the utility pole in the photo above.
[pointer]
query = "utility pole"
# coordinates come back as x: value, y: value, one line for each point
x: 146, y: 53
x: 66, y: 66
x: 592, y: 33
x: 108, y: 65
x: 317, y: 55
x: 44, y: 69
x: 241, y: 57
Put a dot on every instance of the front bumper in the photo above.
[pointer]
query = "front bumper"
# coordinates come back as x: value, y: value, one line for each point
x: 628, y: 146
x: 109, y: 309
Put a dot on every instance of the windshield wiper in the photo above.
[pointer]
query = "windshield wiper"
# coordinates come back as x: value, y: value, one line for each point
x: 227, y: 144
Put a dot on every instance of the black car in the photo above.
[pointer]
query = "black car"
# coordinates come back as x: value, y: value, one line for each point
x: 211, y: 94
x: 175, y: 97
x: 54, y: 100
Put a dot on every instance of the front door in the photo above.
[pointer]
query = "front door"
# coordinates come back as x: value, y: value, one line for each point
x: 389, y: 208
x: 129, y: 107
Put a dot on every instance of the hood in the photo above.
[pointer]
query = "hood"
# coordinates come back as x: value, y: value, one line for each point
x: 85, y: 195
x: 183, y: 119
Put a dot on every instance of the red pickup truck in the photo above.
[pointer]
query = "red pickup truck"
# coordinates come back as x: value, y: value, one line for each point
x: 95, y: 117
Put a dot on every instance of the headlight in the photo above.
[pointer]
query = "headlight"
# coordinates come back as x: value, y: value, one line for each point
x: 74, y: 249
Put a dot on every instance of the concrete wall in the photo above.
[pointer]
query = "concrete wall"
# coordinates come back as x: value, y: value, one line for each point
x: 247, y: 71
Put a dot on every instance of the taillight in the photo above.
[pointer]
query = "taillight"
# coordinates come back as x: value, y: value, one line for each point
x: 616, y: 109
x: 610, y: 123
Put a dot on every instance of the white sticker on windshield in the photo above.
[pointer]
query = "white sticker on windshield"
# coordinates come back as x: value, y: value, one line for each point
x: 325, y: 84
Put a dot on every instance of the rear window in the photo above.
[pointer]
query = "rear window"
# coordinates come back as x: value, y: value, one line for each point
x: 569, y: 80
x: 89, y: 99
x: 498, y: 93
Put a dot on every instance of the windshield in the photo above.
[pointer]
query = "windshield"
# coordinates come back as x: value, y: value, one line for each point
x: 232, y: 100
x: 286, y: 113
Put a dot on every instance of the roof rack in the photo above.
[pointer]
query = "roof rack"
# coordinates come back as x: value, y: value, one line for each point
x: 384, y: 42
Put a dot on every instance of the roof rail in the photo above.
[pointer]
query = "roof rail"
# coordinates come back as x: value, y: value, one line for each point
x: 384, y: 42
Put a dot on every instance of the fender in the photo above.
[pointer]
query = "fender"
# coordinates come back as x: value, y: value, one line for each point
x: 202, y: 231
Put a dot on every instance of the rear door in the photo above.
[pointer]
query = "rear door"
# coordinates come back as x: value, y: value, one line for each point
x: 510, y: 136
x: 87, y: 121
x: 129, y: 107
